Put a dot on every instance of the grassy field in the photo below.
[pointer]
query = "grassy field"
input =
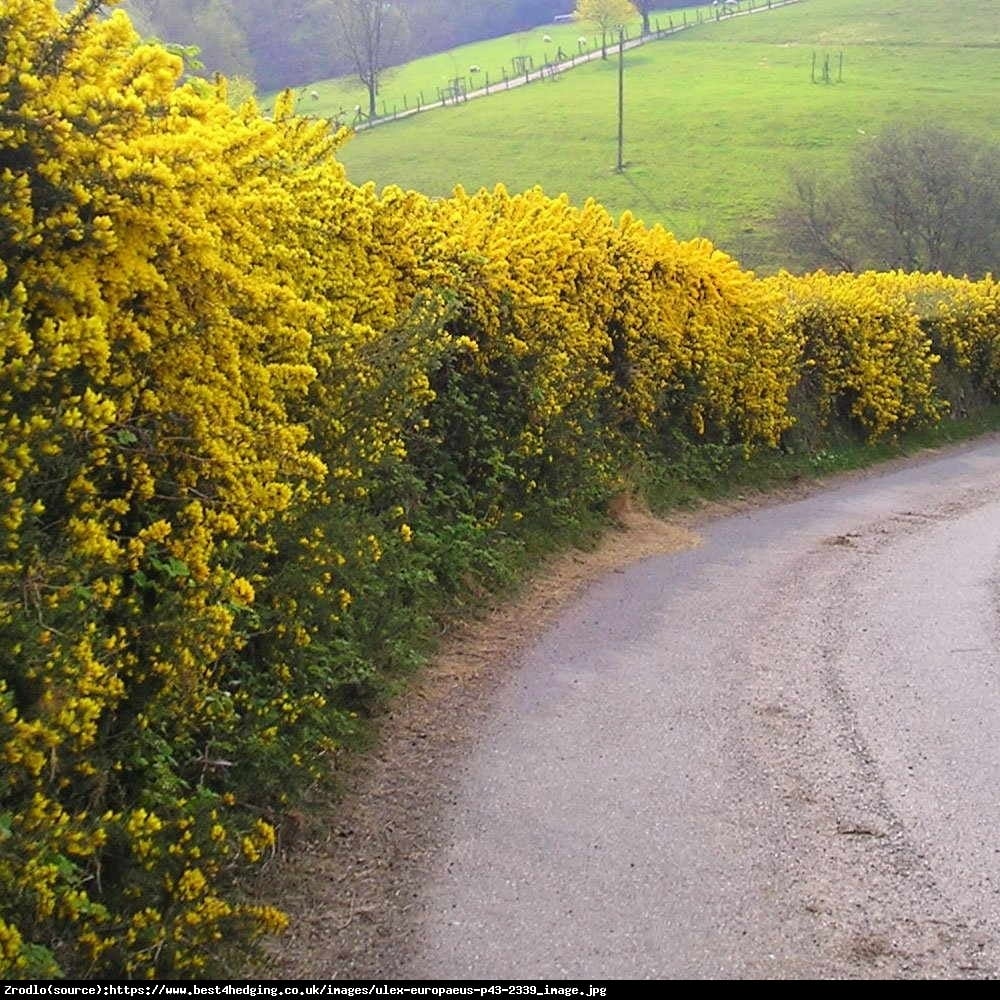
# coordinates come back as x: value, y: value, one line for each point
x: 714, y: 121
x: 946, y: 23
x: 403, y: 85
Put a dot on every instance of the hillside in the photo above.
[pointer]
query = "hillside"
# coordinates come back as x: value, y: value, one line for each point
x: 299, y: 40
x: 714, y: 121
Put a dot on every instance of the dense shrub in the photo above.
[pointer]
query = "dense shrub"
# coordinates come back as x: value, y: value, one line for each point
x: 871, y: 361
x: 258, y: 423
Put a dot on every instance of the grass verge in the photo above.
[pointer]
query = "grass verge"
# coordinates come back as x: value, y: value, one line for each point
x: 696, y: 474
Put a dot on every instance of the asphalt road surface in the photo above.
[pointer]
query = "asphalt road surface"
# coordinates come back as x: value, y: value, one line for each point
x: 773, y: 755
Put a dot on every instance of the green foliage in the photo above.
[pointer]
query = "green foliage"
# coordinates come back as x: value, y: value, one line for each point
x: 707, y: 473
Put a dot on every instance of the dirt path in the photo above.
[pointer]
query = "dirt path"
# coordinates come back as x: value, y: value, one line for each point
x: 747, y: 744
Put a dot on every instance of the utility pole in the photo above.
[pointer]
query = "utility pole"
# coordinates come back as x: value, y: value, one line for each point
x: 621, y: 97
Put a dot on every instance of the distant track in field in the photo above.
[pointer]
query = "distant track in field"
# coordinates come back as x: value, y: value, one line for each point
x: 557, y: 69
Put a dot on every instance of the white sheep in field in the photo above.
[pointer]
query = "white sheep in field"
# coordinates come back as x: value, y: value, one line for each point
x: 546, y: 38
x: 314, y: 94
x: 474, y: 69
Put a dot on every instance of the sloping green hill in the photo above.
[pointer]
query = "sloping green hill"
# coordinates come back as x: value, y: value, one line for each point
x: 713, y: 121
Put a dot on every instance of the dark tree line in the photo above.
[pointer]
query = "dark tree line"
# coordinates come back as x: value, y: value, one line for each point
x: 281, y: 43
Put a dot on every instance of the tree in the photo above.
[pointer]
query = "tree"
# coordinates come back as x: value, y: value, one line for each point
x: 214, y: 26
x: 812, y: 223
x: 372, y: 33
x: 607, y: 15
x: 645, y: 7
x: 922, y: 198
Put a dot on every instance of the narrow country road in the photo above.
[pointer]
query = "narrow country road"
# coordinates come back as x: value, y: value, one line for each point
x: 774, y: 754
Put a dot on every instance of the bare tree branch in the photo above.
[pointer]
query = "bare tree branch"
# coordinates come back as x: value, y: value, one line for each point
x: 372, y: 33
x: 917, y: 198
x: 812, y: 224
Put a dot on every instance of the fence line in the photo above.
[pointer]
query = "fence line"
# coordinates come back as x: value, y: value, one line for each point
x: 457, y: 91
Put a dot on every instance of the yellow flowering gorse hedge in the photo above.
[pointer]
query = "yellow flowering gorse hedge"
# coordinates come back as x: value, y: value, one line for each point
x: 962, y: 319
x: 253, y: 415
x: 873, y: 361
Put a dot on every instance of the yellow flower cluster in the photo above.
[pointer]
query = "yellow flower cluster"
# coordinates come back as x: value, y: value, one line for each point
x: 161, y: 324
x: 868, y: 358
x: 240, y: 402
x: 962, y: 319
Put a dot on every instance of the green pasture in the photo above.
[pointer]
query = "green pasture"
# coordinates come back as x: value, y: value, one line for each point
x: 715, y: 121
x: 950, y: 23
x: 403, y: 85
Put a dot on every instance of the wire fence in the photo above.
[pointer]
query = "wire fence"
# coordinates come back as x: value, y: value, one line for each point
x: 523, y: 69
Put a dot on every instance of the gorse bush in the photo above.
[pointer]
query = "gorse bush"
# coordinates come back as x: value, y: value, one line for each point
x: 872, y: 361
x: 175, y: 277
x: 875, y: 344
x: 260, y: 423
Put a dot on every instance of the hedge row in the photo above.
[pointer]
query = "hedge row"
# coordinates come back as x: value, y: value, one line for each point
x: 256, y: 421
